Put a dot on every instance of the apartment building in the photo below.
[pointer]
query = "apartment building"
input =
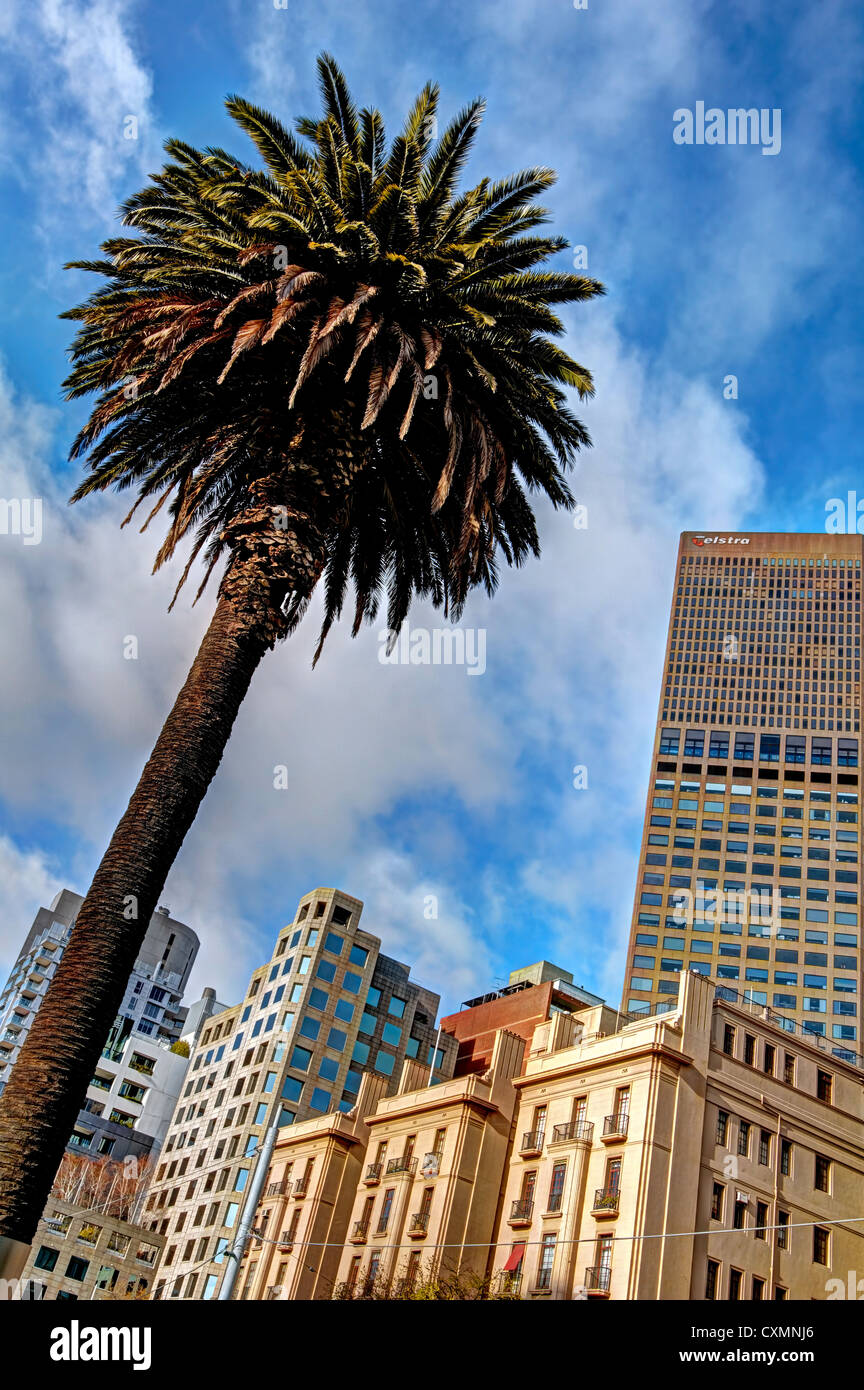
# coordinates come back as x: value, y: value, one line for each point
x: 428, y: 1200
x: 702, y: 1152
x: 327, y: 1007
x: 305, y: 1210
x: 138, y: 1079
x: 82, y: 1253
x: 749, y: 866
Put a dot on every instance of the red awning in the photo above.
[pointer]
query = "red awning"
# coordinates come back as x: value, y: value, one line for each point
x: 514, y: 1259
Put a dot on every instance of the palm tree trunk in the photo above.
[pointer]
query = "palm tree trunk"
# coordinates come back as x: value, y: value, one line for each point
x: 47, y: 1086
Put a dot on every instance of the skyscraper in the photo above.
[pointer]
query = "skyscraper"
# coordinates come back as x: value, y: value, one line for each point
x: 137, y: 1080
x: 749, y: 866
x: 325, y: 1008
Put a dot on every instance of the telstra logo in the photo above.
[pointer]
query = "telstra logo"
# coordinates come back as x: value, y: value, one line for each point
x: 720, y: 540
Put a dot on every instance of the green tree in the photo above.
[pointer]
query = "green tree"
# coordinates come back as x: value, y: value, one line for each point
x: 337, y: 369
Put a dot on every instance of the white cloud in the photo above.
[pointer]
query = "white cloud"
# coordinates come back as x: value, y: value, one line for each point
x: 86, y: 93
x: 30, y: 880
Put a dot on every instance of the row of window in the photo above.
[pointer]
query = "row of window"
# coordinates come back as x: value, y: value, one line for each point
x: 735, y: 1285
x: 744, y: 747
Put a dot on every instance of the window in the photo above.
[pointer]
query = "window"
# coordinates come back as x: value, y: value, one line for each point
x: 728, y: 1040
x: 783, y: 1230
x: 736, y: 1283
x: 386, y: 1207
x: 749, y: 1049
x: 789, y: 1069
x: 739, y: 1216
x: 758, y: 1293
x: 765, y: 1147
x: 820, y: 1245
x: 334, y: 943
x: 320, y: 1099
x: 556, y: 1187
x: 822, y: 1176
x: 717, y: 1195
x: 344, y: 1011
x: 744, y: 1138
x: 47, y: 1258
x: 711, y: 1280
x: 785, y: 1157
x: 547, y: 1257
x: 768, y: 1060
x: 77, y: 1268
x: 824, y: 1085
x: 761, y: 1220
x: 722, y: 1126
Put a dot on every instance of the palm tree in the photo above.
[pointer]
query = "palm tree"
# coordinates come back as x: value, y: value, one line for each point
x: 337, y: 370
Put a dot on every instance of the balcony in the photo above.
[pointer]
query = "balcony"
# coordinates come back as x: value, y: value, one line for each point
x: 286, y: 1243
x: 301, y: 1187
x: 576, y: 1132
x: 615, y: 1128
x: 373, y: 1174
x: 597, y: 1281
x: 359, y: 1233
x: 404, y: 1164
x: 606, y: 1201
x: 532, y: 1143
x: 419, y: 1226
x: 381, y: 1228
x: 274, y: 1291
x: 278, y: 1189
x: 520, y: 1213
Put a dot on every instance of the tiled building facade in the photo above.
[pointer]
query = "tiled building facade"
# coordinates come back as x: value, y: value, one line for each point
x: 749, y: 868
x: 327, y: 1007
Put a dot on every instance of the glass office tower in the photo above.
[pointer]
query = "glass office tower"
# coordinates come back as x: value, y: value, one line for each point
x: 749, y: 867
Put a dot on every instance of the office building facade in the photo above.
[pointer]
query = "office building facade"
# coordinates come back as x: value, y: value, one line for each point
x: 749, y: 868
x: 327, y: 1007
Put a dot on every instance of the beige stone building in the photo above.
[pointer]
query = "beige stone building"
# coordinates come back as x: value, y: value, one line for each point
x: 706, y: 1152
x: 406, y: 1186
x: 306, y: 1205
x: 429, y: 1197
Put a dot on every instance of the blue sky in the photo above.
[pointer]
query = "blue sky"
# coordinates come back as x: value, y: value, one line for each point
x: 406, y: 783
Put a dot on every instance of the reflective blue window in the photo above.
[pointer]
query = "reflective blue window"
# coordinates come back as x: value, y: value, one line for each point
x: 385, y: 1063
